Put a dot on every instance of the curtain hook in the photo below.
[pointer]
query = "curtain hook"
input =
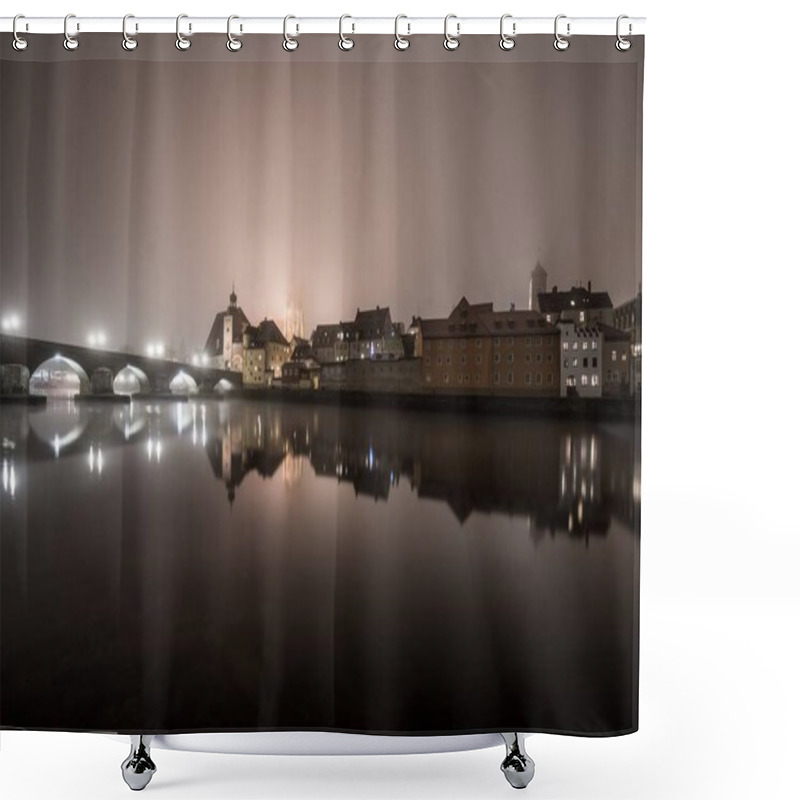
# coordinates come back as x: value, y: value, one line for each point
x: 128, y: 42
x: 344, y: 42
x: 507, y: 42
x: 451, y: 42
x: 234, y: 44
x: 622, y: 44
x: 561, y: 42
x: 70, y: 42
x: 181, y: 42
x: 19, y: 43
x: 401, y: 42
x: 290, y: 43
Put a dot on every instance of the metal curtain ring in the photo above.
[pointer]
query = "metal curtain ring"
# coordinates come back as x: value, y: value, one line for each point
x: 234, y: 44
x: 70, y: 42
x: 507, y: 42
x: 401, y: 42
x: 561, y: 42
x: 451, y: 42
x: 19, y: 43
x: 181, y: 42
x: 290, y: 43
x: 622, y: 44
x: 344, y: 42
x: 128, y: 42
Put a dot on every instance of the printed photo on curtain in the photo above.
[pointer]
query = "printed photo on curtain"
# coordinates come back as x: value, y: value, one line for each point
x: 321, y: 382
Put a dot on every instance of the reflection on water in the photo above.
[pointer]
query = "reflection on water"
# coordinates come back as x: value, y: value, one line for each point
x: 562, y: 477
x: 256, y: 566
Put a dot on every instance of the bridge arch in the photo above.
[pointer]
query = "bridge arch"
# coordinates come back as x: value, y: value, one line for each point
x: 223, y: 386
x: 183, y: 383
x: 131, y: 380
x: 59, y: 376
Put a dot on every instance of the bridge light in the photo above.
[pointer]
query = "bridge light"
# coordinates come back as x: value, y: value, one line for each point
x: 11, y: 323
x: 205, y: 359
x: 195, y: 360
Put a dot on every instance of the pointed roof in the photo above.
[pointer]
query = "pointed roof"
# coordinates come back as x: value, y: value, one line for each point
x: 266, y: 333
x: 215, y: 340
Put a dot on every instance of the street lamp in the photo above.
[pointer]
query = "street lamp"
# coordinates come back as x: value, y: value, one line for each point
x: 11, y: 323
x: 96, y: 339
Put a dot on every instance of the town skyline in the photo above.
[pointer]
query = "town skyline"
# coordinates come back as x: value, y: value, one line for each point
x: 349, y: 193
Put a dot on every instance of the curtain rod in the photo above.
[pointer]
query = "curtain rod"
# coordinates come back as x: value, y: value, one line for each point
x: 592, y: 26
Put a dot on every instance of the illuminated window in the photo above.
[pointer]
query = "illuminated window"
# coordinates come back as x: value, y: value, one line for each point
x: 613, y: 355
x: 574, y: 362
x: 574, y: 345
x: 584, y: 380
x: 583, y: 316
x: 585, y: 344
x: 566, y: 345
x: 594, y: 344
x: 595, y: 380
x: 624, y: 356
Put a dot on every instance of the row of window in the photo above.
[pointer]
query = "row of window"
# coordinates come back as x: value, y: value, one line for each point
x: 575, y: 343
x: 509, y: 341
x: 497, y: 359
x: 529, y: 378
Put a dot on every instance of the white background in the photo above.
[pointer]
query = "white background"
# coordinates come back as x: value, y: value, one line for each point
x: 720, y: 673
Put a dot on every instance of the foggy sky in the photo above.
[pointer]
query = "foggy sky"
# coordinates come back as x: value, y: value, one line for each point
x: 134, y: 192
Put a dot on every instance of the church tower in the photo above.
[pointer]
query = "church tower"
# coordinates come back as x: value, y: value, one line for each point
x: 537, y: 286
x: 227, y: 331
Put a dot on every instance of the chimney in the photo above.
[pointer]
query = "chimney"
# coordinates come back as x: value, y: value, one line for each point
x: 512, y: 306
x: 555, y: 289
x: 590, y: 287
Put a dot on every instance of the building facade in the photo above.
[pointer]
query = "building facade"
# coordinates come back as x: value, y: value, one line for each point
x: 477, y: 350
x: 595, y: 360
x: 628, y: 318
x: 266, y: 351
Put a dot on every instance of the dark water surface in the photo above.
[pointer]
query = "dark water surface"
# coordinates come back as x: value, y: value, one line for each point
x: 247, y: 566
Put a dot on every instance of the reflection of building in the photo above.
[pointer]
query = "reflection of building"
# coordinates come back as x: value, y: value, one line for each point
x: 628, y: 318
x: 537, y: 286
x: 224, y: 346
x: 266, y: 352
x: 580, y: 305
x: 479, y: 350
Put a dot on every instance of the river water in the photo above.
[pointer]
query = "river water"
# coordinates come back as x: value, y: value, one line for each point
x: 240, y: 565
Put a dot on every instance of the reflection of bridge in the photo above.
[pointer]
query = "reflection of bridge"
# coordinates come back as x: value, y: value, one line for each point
x: 96, y: 369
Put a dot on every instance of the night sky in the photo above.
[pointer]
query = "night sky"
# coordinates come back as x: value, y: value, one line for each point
x: 134, y: 191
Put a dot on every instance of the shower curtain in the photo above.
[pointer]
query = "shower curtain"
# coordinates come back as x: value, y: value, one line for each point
x: 321, y: 380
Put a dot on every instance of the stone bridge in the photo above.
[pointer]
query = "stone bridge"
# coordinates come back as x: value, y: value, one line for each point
x: 105, y: 371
